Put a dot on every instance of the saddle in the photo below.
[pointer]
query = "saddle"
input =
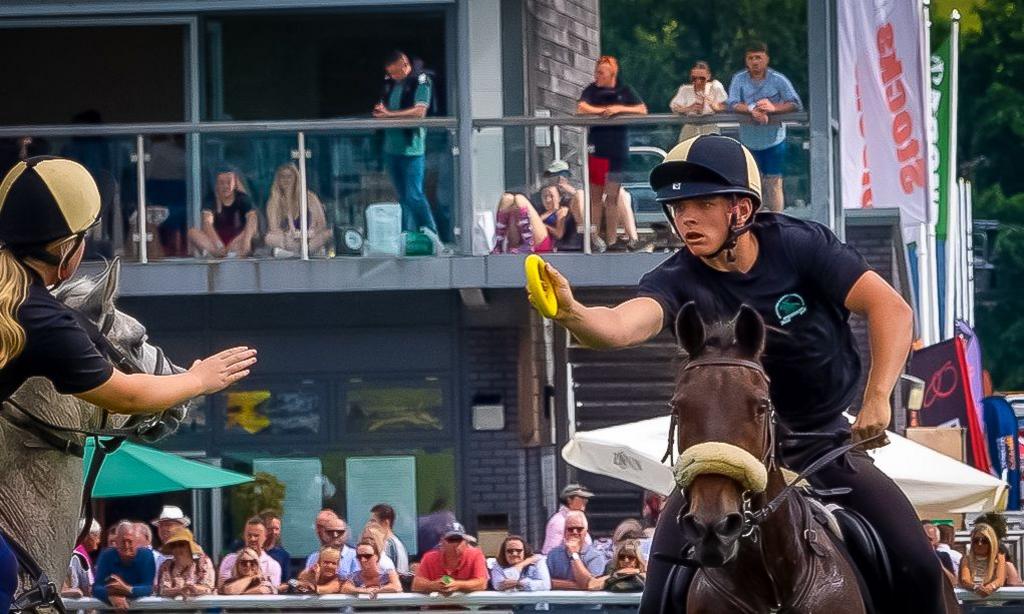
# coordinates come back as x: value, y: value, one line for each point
x: 862, y: 544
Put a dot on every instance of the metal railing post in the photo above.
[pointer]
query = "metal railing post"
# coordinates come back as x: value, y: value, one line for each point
x: 585, y: 173
x: 141, y: 219
x: 303, y: 197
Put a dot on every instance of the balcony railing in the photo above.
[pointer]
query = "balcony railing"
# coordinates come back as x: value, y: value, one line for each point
x: 154, y: 178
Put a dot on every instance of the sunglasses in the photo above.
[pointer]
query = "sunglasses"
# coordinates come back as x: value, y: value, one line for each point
x: 698, y: 78
x: 336, y: 532
x: 513, y: 550
x: 454, y: 539
x: 364, y: 557
x: 573, y: 529
x: 627, y: 557
x: 978, y: 541
x: 249, y: 563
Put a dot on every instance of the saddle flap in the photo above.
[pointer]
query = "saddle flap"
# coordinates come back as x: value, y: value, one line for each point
x: 867, y: 550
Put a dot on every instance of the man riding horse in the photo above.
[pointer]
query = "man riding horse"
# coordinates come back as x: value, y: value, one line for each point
x: 804, y: 283
x: 47, y: 206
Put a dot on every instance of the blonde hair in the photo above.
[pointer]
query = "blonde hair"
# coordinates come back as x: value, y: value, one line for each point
x: 14, y: 283
x: 631, y: 546
x: 245, y: 554
x: 993, y: 550
x: 373, y: 531
x: 282, y: 208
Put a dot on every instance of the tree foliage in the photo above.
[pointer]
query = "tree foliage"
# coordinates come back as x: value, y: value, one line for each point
x: 657, y: 41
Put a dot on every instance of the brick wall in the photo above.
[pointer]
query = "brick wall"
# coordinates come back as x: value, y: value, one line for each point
x: 563, y: 43
x: 494, y: 465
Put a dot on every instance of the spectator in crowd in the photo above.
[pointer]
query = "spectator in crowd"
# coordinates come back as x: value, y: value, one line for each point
x: 455, y: 567
x: 431, y: 527
x: 518, y: 228
x: 574, y: 498
x: 244, y: 576
x: 229, y: 222
x: 284, y: 220
x: 384, y: 514
x: 948, y: 570
x: 335, y: 531
x: 947, y: 535
x: 575, y: 562
x: 626, y: 572
x: 371, y: 577
x: 125, y: 571
x: 273, y: 548
x: 629, y: 529
x: 407, y: 95
x: 323, y: 518
x: 557, y: 216
x: 701, y: 96
x: 187, y: 572
x: 145, y: 535
x: 171, y: 519
x: 112, y: 537
x: 518, y: 568
x: 78, y: 582
x: 254, y: 536
x: 1012, y: 575
x: 763, y: 92
x: 983, y: 568
x: 321, y: 578
x: 609, y: 145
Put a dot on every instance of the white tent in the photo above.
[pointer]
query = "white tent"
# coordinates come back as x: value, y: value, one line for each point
x: 935, y: 483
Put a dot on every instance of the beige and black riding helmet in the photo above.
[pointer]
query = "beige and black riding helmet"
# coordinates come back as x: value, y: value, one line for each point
x: 43, y: 199
x: 708, y: 165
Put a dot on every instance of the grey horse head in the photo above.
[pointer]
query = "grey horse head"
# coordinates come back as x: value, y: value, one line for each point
x: 94, y: 297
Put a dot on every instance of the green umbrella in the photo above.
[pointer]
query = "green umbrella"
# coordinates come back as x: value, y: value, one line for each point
x: 138, y: 470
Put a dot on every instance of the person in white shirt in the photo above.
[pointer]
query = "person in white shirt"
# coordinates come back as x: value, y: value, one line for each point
x: 701, y: 96
x: 947, y: 537
x: 384, y: 514
x: 255, y: 536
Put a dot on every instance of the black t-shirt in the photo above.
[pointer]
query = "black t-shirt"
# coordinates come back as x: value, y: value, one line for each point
x: 609, y: 141
x: 56, y: 348
x: 230, y: 220
x: 799, y: 285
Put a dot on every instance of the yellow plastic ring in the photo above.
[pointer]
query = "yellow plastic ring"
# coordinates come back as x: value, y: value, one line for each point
x: 540, y: 286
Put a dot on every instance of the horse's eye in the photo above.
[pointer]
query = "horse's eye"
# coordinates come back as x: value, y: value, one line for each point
x: 763, y: 406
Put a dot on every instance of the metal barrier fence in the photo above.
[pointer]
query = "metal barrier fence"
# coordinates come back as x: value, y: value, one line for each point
x: 472, y: 601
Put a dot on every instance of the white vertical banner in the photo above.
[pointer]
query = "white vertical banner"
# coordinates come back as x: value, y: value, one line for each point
x: 883, y: 125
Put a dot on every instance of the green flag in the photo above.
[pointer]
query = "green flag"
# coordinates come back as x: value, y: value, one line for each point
x: 940, y: 106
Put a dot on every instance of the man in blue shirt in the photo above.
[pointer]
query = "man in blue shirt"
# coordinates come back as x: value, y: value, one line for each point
x: 763, y: 92
x: 124, y: 571
x: 406, y: 95
x: 575, y: 563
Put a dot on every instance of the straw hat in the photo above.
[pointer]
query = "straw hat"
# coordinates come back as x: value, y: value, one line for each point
x: 181, y: 535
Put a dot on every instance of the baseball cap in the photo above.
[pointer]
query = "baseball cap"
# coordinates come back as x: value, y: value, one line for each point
x: 454, y: 529
x: 558, y: 167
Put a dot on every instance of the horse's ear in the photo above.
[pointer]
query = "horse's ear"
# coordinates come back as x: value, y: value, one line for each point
x: 690, y: 329
x: 100, y: 299
x: 111, y: 284
x: 749, y: 329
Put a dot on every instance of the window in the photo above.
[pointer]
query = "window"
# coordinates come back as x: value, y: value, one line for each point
x: 388, y: 406
x: 258, y: 410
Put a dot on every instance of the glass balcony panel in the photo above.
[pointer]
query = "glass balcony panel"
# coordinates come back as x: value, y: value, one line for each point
x: 167, y: 173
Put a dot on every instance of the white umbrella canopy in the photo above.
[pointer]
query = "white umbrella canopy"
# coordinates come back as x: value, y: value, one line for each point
x: 934, y: 482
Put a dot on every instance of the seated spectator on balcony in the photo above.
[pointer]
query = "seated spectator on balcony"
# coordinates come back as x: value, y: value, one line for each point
x: 335, y: 532
x: 321, y: 578
x: 406, y: 95
x: 609, y: 145
x: 518, y: 568
x: 384, y: 514
x: 983, y: 568
x: 455, y: 567
x: 626, y: 572
x: 558, y: 219
x: 284, y: 220
x: 947, y: 541
x: 254, y: 537
x: 171, y: 519
x: 763, y: 93
x: 629, y: 529
x: 78, y: 582
x: 125, y: 571
x: 371, y: 577
x: 575, y: 563
x: 932, y: 533
x: 273, y: 548
x: 1012, y: 575
x: 244, y: 576
x: 229, y: 222
x: 187, y: 572
x: 701, y: 96
x: 574, y: 498
x: 518, y: 228
x: 571, y: 195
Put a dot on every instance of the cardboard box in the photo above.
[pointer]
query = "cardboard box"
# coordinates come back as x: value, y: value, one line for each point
x: 950, y: 441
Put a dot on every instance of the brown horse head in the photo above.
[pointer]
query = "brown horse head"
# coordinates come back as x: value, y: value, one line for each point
x: 721, y: 403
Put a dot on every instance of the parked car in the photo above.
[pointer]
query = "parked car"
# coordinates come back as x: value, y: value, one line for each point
x: 636, y: 180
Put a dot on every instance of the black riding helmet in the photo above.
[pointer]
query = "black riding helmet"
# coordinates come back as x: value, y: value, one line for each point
x: 708, y: 165
x: 43, y: 199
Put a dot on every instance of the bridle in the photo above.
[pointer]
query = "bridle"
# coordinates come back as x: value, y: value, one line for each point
x: 754, y: 517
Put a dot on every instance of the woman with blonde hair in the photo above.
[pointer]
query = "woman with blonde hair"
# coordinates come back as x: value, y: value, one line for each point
x: 47, y: 206
x: 370, y: 576
x: 246, y: 576
x: 322, y: 577
x: 703, y: 95
x: 626, y: 572
x: 983, y: 568
x: 284, y: 215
